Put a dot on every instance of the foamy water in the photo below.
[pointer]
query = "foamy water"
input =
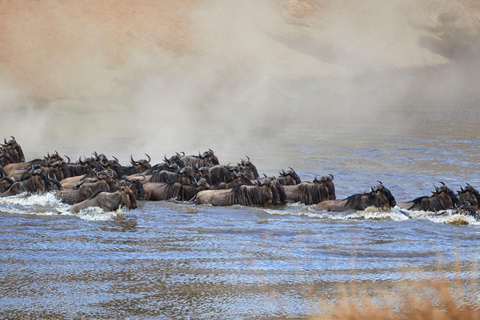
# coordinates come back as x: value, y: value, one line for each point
x: 47, y: 205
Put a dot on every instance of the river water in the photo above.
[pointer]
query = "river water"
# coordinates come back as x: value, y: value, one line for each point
x: 169, y: 260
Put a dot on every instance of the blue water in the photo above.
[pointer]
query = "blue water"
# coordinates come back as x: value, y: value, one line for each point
x: 169, y: 260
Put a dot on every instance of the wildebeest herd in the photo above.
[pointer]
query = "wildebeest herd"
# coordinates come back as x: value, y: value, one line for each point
x: 98, y: 181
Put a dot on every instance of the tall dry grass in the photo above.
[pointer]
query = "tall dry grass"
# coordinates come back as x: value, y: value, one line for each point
x: 431, y: 298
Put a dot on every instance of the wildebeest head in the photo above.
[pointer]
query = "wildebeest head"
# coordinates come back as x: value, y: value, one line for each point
x: 143, y: 163
x: 381, y: 189
x: 447, y: 191
x: 128, y: 198
x: 327, y: 181
x: 248, y: 168
x: 189, y: 172
x: 209, y: 156
x: 13, y: 149
x: 289, y: 178
x: 469, y: 194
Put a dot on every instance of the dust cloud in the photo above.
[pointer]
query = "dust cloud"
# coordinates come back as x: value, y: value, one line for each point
x: 125, y: 76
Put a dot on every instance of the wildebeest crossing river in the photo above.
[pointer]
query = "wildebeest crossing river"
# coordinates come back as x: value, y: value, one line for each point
x: 177, y: 260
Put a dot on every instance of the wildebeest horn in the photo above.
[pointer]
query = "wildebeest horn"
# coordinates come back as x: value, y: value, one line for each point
x: 248, y: 158
x: 292, y: 169
x: 331, y: 175
x: 165, y: 158
x: 132, y: 161
x: 380, y: 182
x: 442, y: 182
x: 13, y: 138
x: 5, y: 141
x: 67, y: 158
x: 469, y: 185
x: 115, y: 159
x: 56, y: 152
x: 149, y: 159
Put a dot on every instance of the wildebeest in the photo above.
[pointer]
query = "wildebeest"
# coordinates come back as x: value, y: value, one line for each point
x: 82, y: 192
x: 289, y: 178
x: 248, y: 169
x: 311, y: 192
x: 266, y: 193
x: 157, y: 191
x: 467, y: 209
x: 135, y: 185
x: 240, y: 179
x: 202, y: 160
x: 11, y: 152
x: 137, y: 166
x: 379, y: 197
x: 185, y: 176
x: 469, y: 194
x: 5, y: 181
x: 221, y: 173
x: 108, y: 201
x: 442, y: 198
x: 33, y: 181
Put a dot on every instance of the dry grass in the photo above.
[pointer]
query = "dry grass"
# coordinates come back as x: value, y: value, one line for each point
x: 438, y: 299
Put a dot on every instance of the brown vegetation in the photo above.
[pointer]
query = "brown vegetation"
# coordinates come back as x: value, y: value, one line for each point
x: 438, y: 299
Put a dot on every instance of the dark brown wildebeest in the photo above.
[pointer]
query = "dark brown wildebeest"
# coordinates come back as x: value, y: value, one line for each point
x: 11, y: 152
x: 137, y: 166
x: 240, y: 179
x: 248, y: 169
x: 82, y: 192
x: 266, y: 193
x: 135, y: 185
x: 33, y: 181
x: 442, y: 198
x: 221, y: 173
x: 469, y: 194
x: 185, y: 176
x: 202, y: 160
x: 157, y: 191
x: 108, y: 201
x: 467, y: 209
x: 311, y: 192
x: 5, y: 181
x: 289, y: 178
x: 379, y: 197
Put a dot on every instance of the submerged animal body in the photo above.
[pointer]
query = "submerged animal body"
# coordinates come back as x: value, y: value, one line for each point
x: 108, y: 201
x: 379, y: 197
x: 442, y: 199
x: 311, y: 192
x: 269, y: 193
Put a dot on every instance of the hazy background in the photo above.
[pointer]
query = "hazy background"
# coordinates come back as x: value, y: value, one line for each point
x: 125, y: 76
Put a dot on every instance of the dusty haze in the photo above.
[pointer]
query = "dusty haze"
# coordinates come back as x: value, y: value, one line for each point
x: 125, y: 76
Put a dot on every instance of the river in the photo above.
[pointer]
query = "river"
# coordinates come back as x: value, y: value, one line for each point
x: 169, y: 260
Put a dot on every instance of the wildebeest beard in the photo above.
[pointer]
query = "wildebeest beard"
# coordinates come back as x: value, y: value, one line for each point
x: 248, y: 196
